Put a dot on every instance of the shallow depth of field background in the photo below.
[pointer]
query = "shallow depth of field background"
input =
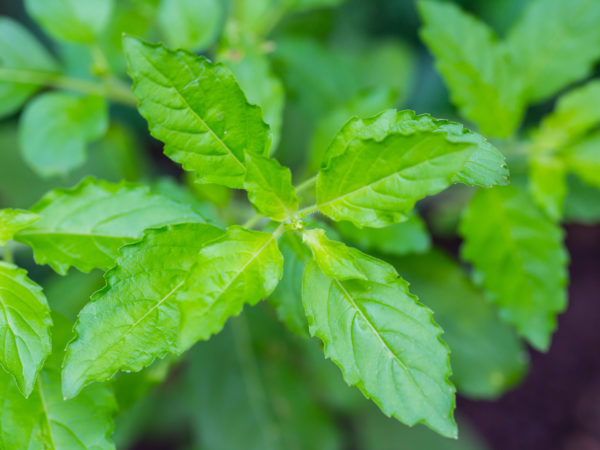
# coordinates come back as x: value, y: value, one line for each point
x: 557, y: 406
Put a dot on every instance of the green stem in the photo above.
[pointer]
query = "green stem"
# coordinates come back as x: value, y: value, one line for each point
x: 252, y: 220
x: 307, y: 184
x: 306, y: 211
x: 7, y: 253
x: 112, y: 91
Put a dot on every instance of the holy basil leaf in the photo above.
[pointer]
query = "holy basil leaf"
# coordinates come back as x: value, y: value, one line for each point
x: 583, y: 159
x: 85, y: 226
x: 19, y: 51
x: 24, y: 326
x: 269, y: 186
x: 475, y: 66
x: 398, y: 239
x: 339, y: 261
x: 548, y: 184
x: 13, y: 220
x: 575, y: 114
x: 72, y: 20
x: 287, y: 296
x: 190, y: 24
x: 486, y: 355
x: 198, y: 110
x: 376, y: 169
x: 519, y: 258
x: 386, y: 344
x: 548, y: 65
x: 177, y: 286
x: 55, y: 128
x: 45, y: 420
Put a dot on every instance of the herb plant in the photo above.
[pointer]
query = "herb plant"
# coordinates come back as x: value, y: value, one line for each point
x: 331, y: 248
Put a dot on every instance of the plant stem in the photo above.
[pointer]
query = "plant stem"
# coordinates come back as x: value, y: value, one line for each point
x: 7, y: 253
x: 252, y: 220
x: 306, y: 211
x: 307, y: 184
x: 112, y: 91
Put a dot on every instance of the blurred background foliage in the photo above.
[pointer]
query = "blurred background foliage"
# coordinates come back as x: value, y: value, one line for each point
x: 311, y: 64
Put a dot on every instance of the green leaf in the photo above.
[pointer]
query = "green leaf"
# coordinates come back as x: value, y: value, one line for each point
x: 13, y: 220
x: 287, y: 296
x: 376, y: 169
x: 55, y: 128
x: 583, y: 202
x: 190, y: 24
x: 240, y: 397
x: 71, y: 20
x: 24, y: 326
x: 486, y: 355
x: 337, y: 260
x: 179, y: 285
x: 548, y: 65
x: 46, y: 421
x: 198, y: 110
x: 386, y: 343
x: 19, y: 51
x: 269, y: 186
x: 475, y: 66
x: 548, y: 184
x: 252, y: 70
x: 398, y: 239
x: 85, y: 226
x: 519, y: 258
x: 583, y: 159
x: 575, y: 114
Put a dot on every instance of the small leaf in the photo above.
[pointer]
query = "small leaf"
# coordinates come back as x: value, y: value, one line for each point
x: 337, y: 260
x: 269, y: 186
x: 519, y: 259
x: 45, y: 420
x: 190, y: 24
x: 486, y: 354
x: 583, y: 159
x: 13, y: 220
x: 376, y: 169
x: 386, y: 344
x: 55, y: 129
x: 177, y: 286
x: 71, y: 20
x: 287, y: 296
x: 20, y: 52
x: 398, y: 239
x: 85, y: 226
x: 198, y: 110
x: 476, y: 67
x: 548, y: 184
x: 24, y: 326
x: 548, y: 65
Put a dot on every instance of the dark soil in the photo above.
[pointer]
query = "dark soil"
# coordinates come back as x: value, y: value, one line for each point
x: 558, y: 404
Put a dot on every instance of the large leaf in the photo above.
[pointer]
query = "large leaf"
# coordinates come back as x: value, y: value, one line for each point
x: 55, y: 129
x: 190, y: 24
x: 198, y: 110
x: 24, y: 326
x: 243, y: 395
x: 519, y: 258
x: 180, y: 284
x: 376, y: 169
x: 72, y: 20
x: 85, y: 226
x: 583, y: 159
x: 13, y: 220
x: 386, y: 344
x: 486, y: 355
x: 269, y: 186
x: 399, y: 239
x: 45, y: 421
x: 545, y: 64
x: 19, y: 51
x: 475, y: 66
